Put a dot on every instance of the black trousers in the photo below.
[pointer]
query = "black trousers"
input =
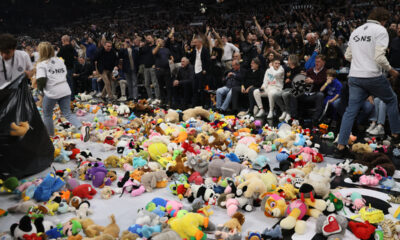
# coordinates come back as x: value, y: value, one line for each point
x: 252, y: 101
x: 317, y: 99
x: 182, y: 95
x: 198, y: 89
x: 165, y: 83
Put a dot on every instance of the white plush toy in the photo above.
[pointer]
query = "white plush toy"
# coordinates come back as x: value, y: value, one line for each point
x: 123, y: 110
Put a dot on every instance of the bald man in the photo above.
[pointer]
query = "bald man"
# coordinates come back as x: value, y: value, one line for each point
x: 182, y: 86
x: 68, y: 53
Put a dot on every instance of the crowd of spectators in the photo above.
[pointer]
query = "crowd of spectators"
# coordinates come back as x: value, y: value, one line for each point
x: 229, y: 55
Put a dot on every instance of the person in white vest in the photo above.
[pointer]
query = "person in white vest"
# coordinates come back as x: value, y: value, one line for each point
x: 366, y: 52
x: 52, y: 71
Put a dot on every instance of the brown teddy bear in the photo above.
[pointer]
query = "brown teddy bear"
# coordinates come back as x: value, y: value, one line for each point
x: 180, y: 166
x: 112, y: 161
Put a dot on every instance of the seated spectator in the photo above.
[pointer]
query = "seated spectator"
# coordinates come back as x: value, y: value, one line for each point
x: 252, y: 80
x: 332, y: 89
x: 316, y: 77
x: 81, y: 74
x: 97, y: 84
x: 272, y: 85
x: 118, y: 78
x: 378, y: 118
x: 282, y: 99
x: 334, y: 55
x: 233, y: 79
x: 182, y: 85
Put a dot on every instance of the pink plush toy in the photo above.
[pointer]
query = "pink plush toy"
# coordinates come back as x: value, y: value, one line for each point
x: 134, y: 188
x: 232, y: 206
x: 307, y: 154
x: 370, y: 180
x: 196, y: 178
x: 173, y: 207
x: 110, y: 121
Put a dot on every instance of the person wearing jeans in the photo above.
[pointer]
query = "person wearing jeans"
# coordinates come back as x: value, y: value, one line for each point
x: 150, y: 77
x: 53, y: 72
x: 378, y: 118
x: 130, y: 60
x: 106, y: 60
x: 366, y: 78
x: 233, y: 79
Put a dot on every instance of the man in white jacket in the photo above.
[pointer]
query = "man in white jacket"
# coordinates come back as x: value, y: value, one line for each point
x: 366, y: 51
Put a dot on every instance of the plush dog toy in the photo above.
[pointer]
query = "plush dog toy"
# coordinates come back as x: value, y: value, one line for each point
x: 232, y: 229
x: 84, y: 191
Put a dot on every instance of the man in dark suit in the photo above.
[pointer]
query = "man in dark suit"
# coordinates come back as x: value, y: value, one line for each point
x: 182, y: 85
x: 130, y: 63
x: 200, y: 58
x: 82, y: 70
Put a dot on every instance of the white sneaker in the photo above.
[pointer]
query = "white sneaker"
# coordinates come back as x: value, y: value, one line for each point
x: 150, y: 100
x: 378, y: 130
x: 92, y: 93
x: 260, y: 113
x: 255, y: 110
x: 122, y: 99
x: 156, y: 102
x: 295, y: 122
x: 98, y: 95
x: 282, y: 117
x: 288, y: 117
x: 270, y: 115
x: 371, y: 127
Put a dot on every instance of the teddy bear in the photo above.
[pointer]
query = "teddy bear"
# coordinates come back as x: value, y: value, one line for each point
x: 112, y: 161
x: 332, y: 226
x: 127, y: 235
x: 199, y: 162
x: 149, y: 180
x: 232, y: 229
x: 180, y: 166
x: 320, y: 181
x: 253, y: 186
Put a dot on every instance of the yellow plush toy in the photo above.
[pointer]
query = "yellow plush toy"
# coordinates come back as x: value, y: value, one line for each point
x: 112, y: 161
x: 188, y: 225
x: 255, y: 185
x: 156, y: 150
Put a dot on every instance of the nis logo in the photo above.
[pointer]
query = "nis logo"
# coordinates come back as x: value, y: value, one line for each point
x: 56, y: 71
x: 357, y: 38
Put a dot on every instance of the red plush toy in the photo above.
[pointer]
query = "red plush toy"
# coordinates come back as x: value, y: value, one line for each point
x: 362, y: 230
x: 84, y: 191
x: 75, y: 151
x: 196, y: 178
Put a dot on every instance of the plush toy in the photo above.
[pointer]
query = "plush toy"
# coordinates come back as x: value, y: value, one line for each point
x: 274, y: 233
x: 372, y: 160
x: 27, y: 226
x: 188, y: 226
x: 179, y: 167
x: 224, y: 168
x: 145, y: 217
x: 107, y: 192
x: 166, y: 234
x: 320, y: 180
x: 149, y: 180
x: 112, y: 161
x: 362, y: 230
x: 63, y: 156
x: 51, y: 183
x: 233, y: 204
x: 274, y: 205
x: 196, y: 178
x: 332, y: 226
x: 254, y: 185
x: 123, y: 110
x: 232, y: 229
x: 70, y: 228
x: 201, y: 191
x: 83, y: 210
x: 22, y: 207
x: 127, y: 235
x: 84, y: 191
x: 199, y: 162
x: 19, y: 130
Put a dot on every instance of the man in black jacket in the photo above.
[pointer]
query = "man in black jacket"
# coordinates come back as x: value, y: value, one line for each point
x: 82, y: 70
x: 68, y: 53
x: 183, y: 84
x: 200, y: 58
x: 176, y: 49
x: 130, y: 65
x: 233, y: 79
x: 147, y: 58
x: 105, y: 62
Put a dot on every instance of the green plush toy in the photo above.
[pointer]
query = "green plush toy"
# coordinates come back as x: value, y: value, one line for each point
x: 9, y: 185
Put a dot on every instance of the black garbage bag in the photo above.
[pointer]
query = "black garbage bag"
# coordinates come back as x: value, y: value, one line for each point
x: 33, y: 152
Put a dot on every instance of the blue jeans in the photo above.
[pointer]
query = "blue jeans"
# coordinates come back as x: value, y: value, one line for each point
x: 132, y: 80
x: 71, y: 83
x: 48, y: 108
x: 365, y: 110
x: 97, y: 86
x: 221, y: 93
x: 379, y: 114
x: 359, y: 90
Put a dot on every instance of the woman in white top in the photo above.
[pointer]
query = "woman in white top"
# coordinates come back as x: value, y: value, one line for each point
x: 56, y: 89
x: 272, y: 85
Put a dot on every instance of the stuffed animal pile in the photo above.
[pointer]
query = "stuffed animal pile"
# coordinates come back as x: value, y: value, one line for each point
x: 206, y: 161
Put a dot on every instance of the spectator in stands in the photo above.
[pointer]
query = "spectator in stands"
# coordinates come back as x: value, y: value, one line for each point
x: 68, y: 54
x: 367, y: 62
x: 252, y: 80
x: 297, y: 46
x: 82, y: 70
x: 316, y: 77
x: 200, y: 58
x: 150, y: 77
x: 233, y: 78
x: 176, y: 48
x: 378, y: 118
x: 272, y: 85
x: 182, y: 85
x: 311, y: 45
x: 248, y: 49
x: 216, y: 69
x: 119, y: 79
x: 130, y: 62
x: 394, y: 59
x: 90, y: 49
x: 334, y: 56
x: 229, y: 50
x: 331, y: 89
x: 163, y: 72
x: 105, y: 62
x: 272, y: 47
x: 282, y: 99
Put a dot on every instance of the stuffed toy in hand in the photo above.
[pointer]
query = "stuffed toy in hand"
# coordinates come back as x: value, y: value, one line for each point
x: 19, y: 130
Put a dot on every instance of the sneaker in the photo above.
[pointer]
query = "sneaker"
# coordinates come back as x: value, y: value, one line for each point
x: 98, y: 94
x: 92, y: 93
x: 156, y: 102
x: 295, y: 122
x: 342, y: 154
x: 149, y: 100
x: 243, y: 113
x: 288, y: 117
x: 85, y: 133
x: 378, y: 130
x: 371, y: 127
x: 255, y: 110
x: 122, y: 99
x: 282, y: 117
x: 260, y: 113
x: 270, y: 115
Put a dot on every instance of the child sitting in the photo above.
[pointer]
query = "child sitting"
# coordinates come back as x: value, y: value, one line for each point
x: 332, y: 89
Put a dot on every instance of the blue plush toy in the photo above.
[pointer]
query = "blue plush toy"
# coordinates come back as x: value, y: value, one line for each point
x: 260, y: 162
x: 51, y: 183
x: 282, y: 156
x: 138, y: 162
x: 148, y: 231
x: 63, y: 156
x: 388, y: 183
x: 233, y: 157
x: 300, y: 140
x: 159, y: 202
x: 136, y: 229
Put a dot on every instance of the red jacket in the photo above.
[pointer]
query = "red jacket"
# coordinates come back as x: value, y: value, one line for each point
x: 319, y: 78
